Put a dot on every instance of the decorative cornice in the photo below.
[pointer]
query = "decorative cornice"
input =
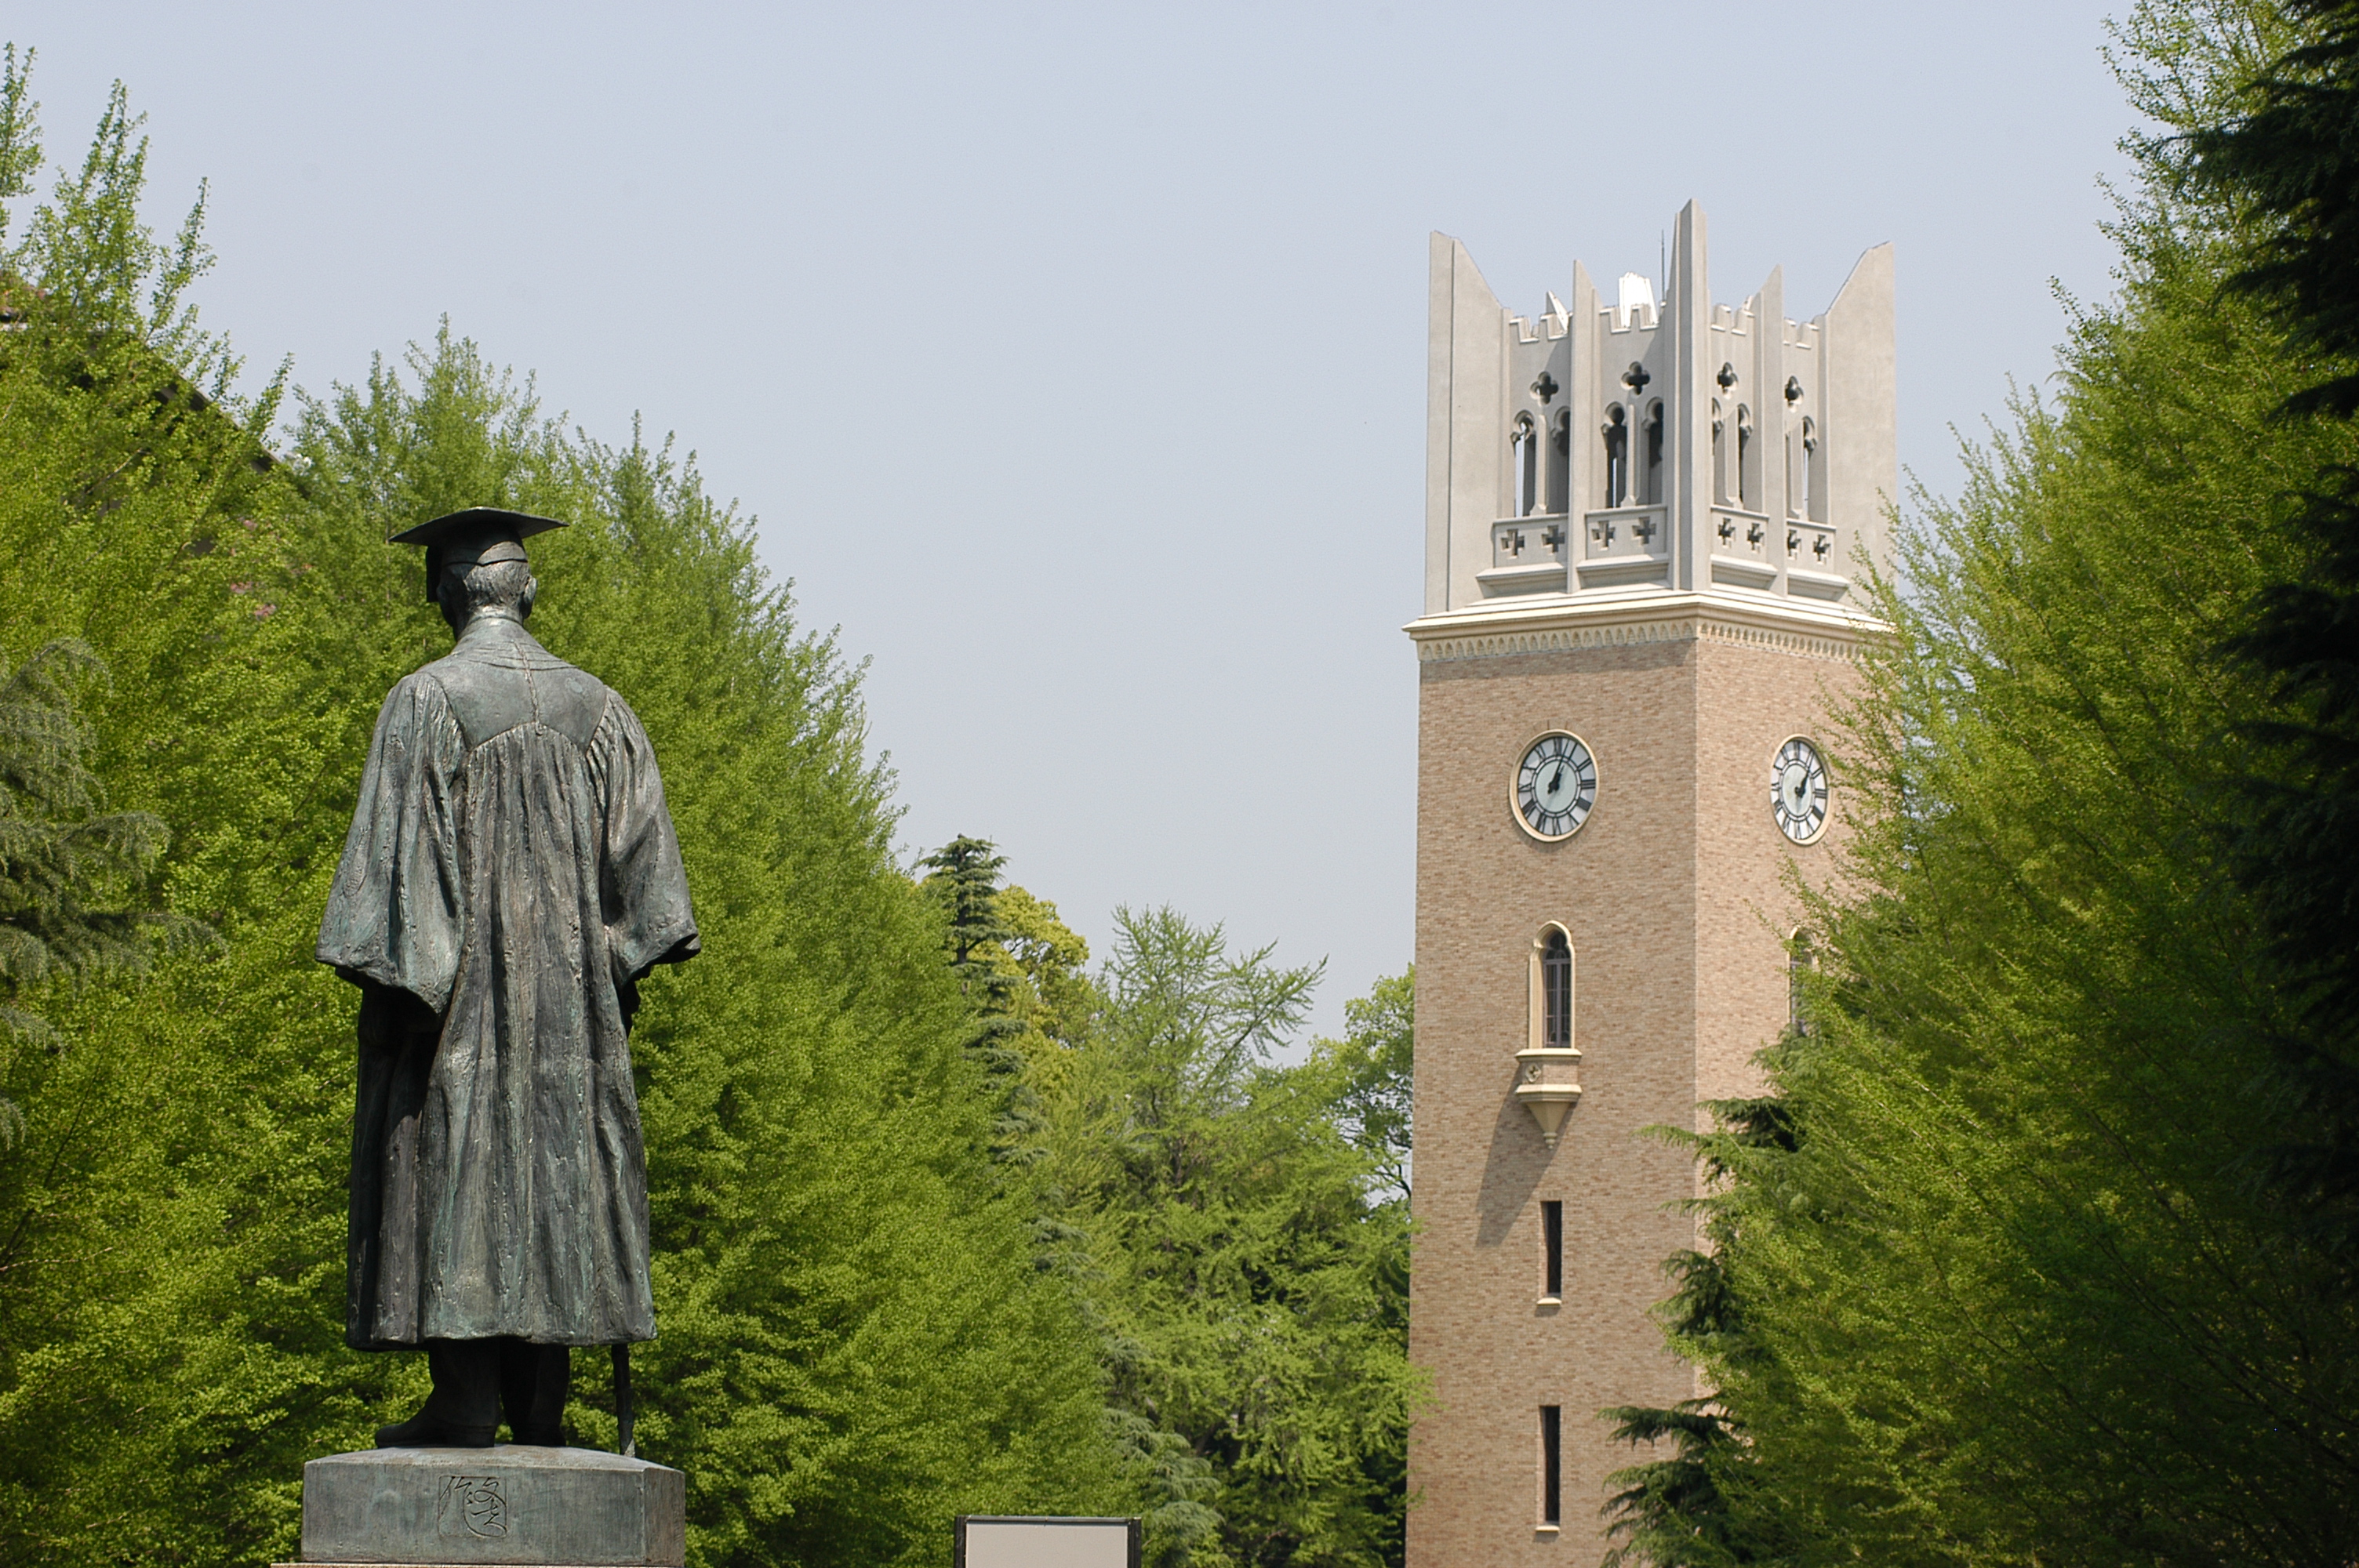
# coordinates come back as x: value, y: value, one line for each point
x: 1492, y: 633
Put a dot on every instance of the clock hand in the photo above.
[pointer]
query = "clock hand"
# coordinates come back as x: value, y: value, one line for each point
x: 1556, y: 779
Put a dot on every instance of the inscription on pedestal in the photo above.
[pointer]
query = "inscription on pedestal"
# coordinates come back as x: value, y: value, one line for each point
x: 472, y: 1506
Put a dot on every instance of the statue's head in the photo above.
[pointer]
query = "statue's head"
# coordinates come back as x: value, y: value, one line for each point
x: 475, y: 562
x: 500, y: 588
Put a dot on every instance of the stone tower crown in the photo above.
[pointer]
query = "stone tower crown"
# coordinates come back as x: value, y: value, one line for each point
x: 1625, y: 447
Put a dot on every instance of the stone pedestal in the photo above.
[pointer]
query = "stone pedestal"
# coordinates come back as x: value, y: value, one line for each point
x: 510, y: 1507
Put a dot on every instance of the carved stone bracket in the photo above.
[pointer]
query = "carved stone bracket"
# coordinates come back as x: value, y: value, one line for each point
x: 1547, y: 1082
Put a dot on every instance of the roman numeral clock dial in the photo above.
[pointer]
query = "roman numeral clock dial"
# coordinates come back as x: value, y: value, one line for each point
x: 1555, y: 786
x: 1798, y: 791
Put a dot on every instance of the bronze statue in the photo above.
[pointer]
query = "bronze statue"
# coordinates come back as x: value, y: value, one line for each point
x: 510, y: 877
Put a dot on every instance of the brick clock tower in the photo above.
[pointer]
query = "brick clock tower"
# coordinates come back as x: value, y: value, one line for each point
x: 1645, y: 523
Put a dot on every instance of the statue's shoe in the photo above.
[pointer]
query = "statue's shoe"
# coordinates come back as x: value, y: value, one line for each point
x: 535, y: 1437
x: 424, y: 1431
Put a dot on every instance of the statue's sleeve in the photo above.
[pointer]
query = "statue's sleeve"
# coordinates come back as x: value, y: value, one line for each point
x: 394, y: 913
x: 642, y: 889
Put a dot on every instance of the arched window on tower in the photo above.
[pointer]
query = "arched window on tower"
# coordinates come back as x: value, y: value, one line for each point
x: 1617, y: 456
x: 1651, y: 489
x: 1525, y: 441
x: 1556, y: 990
x: 1748, y: 462
x: 1547, y: 1082
x: 1559, y: 467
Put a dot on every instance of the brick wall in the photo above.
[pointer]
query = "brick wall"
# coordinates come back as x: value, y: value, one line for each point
x: 1671, y: 891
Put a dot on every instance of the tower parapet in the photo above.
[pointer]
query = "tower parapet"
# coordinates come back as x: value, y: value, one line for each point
x: 1621, y: 447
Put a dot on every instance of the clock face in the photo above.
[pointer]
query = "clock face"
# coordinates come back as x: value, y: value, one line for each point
x: 1556, y: 783
x: 1798, y: 791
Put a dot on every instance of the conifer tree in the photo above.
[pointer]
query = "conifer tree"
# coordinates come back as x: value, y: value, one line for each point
x: 867, y: 1324
x: 77, y: 902
x: 965, y: 883
x: 855, y: 1344
x: 2288, y: 165
x: 1995, y: 1283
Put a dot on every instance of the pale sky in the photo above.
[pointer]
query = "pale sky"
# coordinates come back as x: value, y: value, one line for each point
x: 1071, y: 358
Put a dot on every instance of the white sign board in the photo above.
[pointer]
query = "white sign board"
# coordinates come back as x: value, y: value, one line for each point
x: 985, y: 1542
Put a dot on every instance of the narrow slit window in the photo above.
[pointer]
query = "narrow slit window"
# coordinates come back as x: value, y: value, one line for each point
x: 1719, y: 458
x: 1556, y: 992
x: 1814, y: 500
x: 1652, y: 493
x: 1527, y: 460
x: 1551, y: 1249
x: 1552, y: 1463
x: 1748, y: 484
x: 1559, y: 466
x: 1617, y: 456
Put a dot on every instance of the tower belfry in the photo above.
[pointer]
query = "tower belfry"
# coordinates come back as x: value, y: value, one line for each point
x: 1620, y: 442
x: 1648, y: 522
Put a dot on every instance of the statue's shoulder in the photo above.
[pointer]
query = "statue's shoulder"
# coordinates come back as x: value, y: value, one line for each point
x: 574, y: 701
x: 445, y: 684
x: 421, y: 689
x: 503, y: 677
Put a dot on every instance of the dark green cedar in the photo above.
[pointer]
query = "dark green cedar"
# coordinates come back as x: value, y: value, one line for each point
x: 2287, y: 163
x: 76, y: 899
x: 964, y: 882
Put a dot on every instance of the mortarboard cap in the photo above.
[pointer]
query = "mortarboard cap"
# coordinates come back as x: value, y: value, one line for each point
x: 478, y: 534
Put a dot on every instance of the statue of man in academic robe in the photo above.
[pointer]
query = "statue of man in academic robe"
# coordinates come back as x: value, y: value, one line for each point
x: 510, y: 877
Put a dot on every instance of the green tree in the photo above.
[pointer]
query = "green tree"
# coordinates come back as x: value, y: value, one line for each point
x: 2286, y: 161
x: 1242, y: 1255
x: 76, y: 899
x: 138, y: 1332
x: 868, y: 1323
x: 1371, y: 1077
x: 1992, y: 1282
x: 964, y: 881
x: 855, y: 1344
x: 1053, y: 992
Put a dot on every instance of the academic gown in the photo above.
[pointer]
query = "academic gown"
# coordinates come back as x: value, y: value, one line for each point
x: 510, y: 876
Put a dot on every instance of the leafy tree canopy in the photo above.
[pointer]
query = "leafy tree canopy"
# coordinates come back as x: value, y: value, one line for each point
x: 1242, y: 1242
x: 856, y: 1344
x: 1988, y: 1276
